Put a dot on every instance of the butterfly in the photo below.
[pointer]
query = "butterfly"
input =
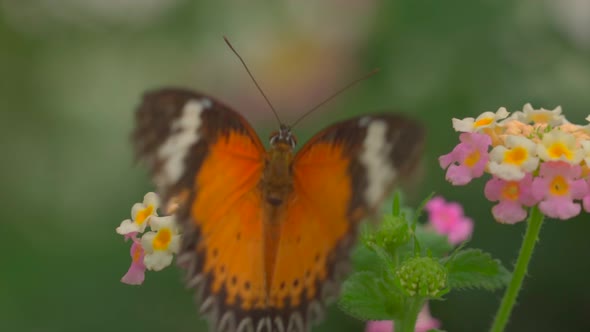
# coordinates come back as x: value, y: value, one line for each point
x: 267, y: 233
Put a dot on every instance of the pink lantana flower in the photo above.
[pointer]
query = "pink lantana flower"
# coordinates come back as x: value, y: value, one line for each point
x: 511, y: 195
x: 136, y: 273
x: 557, y: 186
x: 468, y: 159
x: 424, y: 323
x: 448, y: 219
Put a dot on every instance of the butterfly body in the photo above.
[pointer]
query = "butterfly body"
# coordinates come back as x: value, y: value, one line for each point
x: 277, y: 179
x: 267, y: 233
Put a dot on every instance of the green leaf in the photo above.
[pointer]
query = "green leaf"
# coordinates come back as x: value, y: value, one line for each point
x: 365, y: 259
x: 473, y: 268
x: 365, y: 295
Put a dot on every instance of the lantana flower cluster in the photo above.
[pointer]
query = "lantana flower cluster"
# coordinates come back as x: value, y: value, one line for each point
x: 534, y: 156
x: 153, y: 249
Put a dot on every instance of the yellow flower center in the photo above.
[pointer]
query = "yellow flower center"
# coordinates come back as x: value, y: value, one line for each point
x: 472, y: 158
x: 511, y: 190
x: 558, y: 149
x: 516, y: 156
x: 162, y: 239
x: 559, y: 186
x: 143, y: 214
x: 540, y: 117
x: 483, y: 122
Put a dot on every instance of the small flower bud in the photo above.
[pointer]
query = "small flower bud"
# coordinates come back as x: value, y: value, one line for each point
x: 422, y: 276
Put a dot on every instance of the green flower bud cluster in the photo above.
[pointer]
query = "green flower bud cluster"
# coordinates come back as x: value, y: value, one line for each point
x: 394, y: 232
x: 422, y: 276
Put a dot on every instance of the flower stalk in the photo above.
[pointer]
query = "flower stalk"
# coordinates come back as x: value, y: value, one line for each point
x: 408, y: 322
x: 526, y: 252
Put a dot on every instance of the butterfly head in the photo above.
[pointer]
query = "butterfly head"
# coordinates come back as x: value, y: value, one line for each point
x: 283, y: 138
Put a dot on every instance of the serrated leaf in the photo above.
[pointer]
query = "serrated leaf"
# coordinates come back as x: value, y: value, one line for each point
x: 365, y: 259
x: 367, y: 297
x: 473, y: 268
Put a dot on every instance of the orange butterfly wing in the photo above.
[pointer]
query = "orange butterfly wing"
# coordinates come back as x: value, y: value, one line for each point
x: 221, y: 161
x: 333, y: 192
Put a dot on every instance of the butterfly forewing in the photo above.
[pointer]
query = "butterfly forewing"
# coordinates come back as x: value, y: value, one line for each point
x: 207, y: 157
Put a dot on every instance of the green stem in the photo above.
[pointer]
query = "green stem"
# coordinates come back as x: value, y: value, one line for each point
x: 524, y: 257
x: 408, y: 323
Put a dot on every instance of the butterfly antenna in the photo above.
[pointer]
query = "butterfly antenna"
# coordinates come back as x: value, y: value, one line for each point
x: 252, y: 77
x: 351, y: 84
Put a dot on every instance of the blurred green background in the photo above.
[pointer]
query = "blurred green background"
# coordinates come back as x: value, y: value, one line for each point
x: 71, y: 73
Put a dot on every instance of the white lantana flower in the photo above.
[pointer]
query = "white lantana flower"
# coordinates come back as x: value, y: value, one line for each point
x: 160, y: 244
x: 141, y: 213
x: 485, y: 120
x: 514, y: 159
x: 559, y: 146
x: 540, y: 116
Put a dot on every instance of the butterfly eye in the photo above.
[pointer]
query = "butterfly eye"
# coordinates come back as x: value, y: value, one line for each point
x: 273, y: 137
x: 293, y: 141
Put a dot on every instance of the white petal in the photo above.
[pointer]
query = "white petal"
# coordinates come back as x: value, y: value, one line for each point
x: 128, y: 226
x: 578, y: 156
x: 465, y: 125
x: 506, y: 172
x: 497, y: 153
x: 530, y: 164
x: 135, y: 209
x: 151, y: 199
x: 157, y: 223
x: 527, y: 108
x: 147, y: 242
x: 501, y: 113
x: 157, y: 260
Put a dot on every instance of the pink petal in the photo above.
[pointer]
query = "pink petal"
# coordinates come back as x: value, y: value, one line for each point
x: 446, y: 160
x: 481, y: 141
x: 509, y: 212
x: 578, y: 189
x: 379, y: 326
x: 448, y: 219
x: 461, y: 232
x: 458, y: 175
x: 540, y: 188
x: 586, y: 203
x: 560, y: 208
x: 434, y: 204
x: 493, y: 189
x: 425, y: 321
x: 553, y: 168
x: 135, y: 275
x: 526, y: 193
